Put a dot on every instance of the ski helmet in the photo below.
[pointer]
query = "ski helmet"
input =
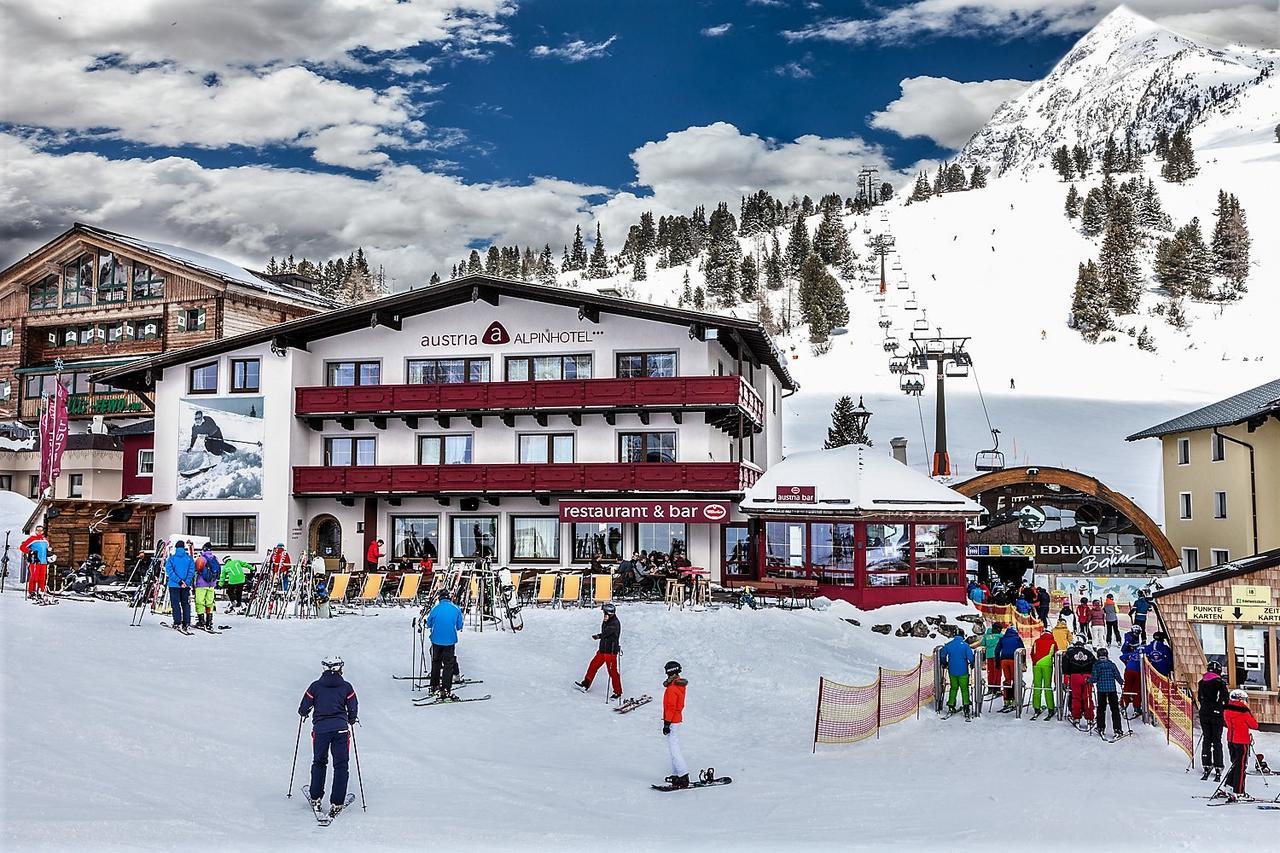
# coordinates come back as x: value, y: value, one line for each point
x: 1239, y: 695
x: 445, y: 595
x: 1102, y: 653
x: 333, y: 663
x: 672, y: 668
x: 1159, y: 636
x: 1215, y: 667
x: 1078, y: 642
x: 609, y: 608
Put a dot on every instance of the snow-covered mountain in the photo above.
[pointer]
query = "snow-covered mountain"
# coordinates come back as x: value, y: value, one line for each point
x: 1128, y: 75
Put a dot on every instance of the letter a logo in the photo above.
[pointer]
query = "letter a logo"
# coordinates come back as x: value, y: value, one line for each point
x: 496, y: 334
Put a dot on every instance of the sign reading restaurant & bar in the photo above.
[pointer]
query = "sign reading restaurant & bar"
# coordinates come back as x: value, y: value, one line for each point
x: 693, y: 512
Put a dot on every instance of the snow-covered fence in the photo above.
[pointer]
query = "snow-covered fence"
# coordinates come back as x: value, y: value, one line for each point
x: 1170, y: 708
x: 848, y: 713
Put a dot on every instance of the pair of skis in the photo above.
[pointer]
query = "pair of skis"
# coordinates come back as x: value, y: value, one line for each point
x: 968, y: 717
x: 1115, y: 738
x: 629, y: 705
x: 323, y: 816
x: 427, y: 701
x: 706, y: 779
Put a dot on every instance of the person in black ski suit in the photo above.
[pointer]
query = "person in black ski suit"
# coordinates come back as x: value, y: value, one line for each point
x: 1042, y: 605
x: 335, y: 706
x: 1077, y: 666
x: 1212, y: 696
x: 213, y: 441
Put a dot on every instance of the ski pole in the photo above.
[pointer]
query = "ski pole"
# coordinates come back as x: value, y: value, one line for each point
x: 294, y: 768
x: 359, y: 779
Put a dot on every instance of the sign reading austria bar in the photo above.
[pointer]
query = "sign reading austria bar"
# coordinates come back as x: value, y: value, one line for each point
x: 691, y: 512
x: 796, y: 495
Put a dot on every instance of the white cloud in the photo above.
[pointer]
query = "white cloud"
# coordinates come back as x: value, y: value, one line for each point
x: 944, y: 110
x: 717, y: 31
x: 1253, y: 24
x: 575, y: 51
x: 794, y: 70
x: 1008, y: 19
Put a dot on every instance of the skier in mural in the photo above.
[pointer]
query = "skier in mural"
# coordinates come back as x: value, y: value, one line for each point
x: 213, y: 441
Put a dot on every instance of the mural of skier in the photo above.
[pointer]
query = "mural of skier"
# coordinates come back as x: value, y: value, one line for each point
x: 220, y: 448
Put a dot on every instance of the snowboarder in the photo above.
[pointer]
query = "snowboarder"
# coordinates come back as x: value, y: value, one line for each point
x: 957, y: 656
x: 208, y: 570
x: 608, y: 651
x: 373, y: 555
x: 1106, y: 678
x: 1005, y: 651
x: 180, y: 574
x: 334, y: 701
x: 35, y: 550
x: 213, y: 441
x: 1138, y: 613
x: 1238, y: 720
x: 1042, y: 674
x: 444, y: 621
x: 1212, y: 697
x: 1112, y: 618
x: 990, y: 641
x: 672, y: 718
x: 232, y: 579
x: 1077, y: 666
x: 1131, y: 657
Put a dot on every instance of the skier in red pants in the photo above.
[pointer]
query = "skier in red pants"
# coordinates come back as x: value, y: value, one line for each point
x: 1077, y: 666
x: 607, y: 655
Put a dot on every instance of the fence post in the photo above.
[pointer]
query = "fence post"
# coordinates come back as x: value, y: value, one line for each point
x: 1143, y: 693
x: 879, y: 697
x: 978, y: 686
x: 1168, y: 712
x: 817, y: 715
x: 919, y: 683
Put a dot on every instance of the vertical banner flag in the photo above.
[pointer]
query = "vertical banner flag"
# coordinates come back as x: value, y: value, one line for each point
x: 53, y: 435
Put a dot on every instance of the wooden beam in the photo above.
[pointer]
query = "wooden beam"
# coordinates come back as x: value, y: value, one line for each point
x: 384, y: 318
x: 283, y: 342
x: 492, y: 500
x: 590, y: 313
x: 541, y: 418
x: 610, y: 417
x: 393, y: 501
x: 411, y: 421
x: 443, y: 421
x: 484, y: 294
x: 509, y: 419
x: 317, y: 424
x: 677, y: 416
x: 476, y: 419
x: 347, y: 423
x: 697, y: 332
x: 379, y: 421
x: 644, y: 416
x: 443, y: 500
x: 575, y: 418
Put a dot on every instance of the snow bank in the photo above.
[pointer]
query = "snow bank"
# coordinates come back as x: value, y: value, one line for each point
x: 15, y: 509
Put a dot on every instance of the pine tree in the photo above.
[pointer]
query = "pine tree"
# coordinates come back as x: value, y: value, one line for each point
x: 1150, y: 212
x: 1180, y: 163
x: 639, y: 267
x: 831, y: 240
x: 1062, y: 162
x: 953, y: 178
x: 1118, y: 260
x: 822, y: 305
x: 566, y: 263
x: 1083, y: 162
x: 473, y: 263
x: 577, y: 257
x: 492, y: 262
x: 686, y: 295
x: 1197, y: 260
x: 1162, y: 143
x: 599, y: 266
x: 1093, y: 215
x: 939, y: 182
x: 798, y: 246
x: 1169, y: 266
x: 749, y: 275
x: 699, y: 298
x: 1089, y: 312
x: 978, y: 178
x: 921, y: 191
x: 843, y: 430
x: 1073, y: 202
x: 435, y: 278
x: 272, y: 267
x: 1110, y: 157
x: 546, y: 266
x: 648, y: 235
x: 886, y: 191
x: 773, y: 266
x: 1231, y: 244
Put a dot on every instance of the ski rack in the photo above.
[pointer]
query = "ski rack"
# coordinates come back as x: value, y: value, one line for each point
x: 148, y: 592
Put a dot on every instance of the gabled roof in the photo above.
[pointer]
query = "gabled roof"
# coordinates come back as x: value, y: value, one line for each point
x: 1256, y: 403
x: 1235, y: 568
x: 208, y: 265
x: 391, y: 310
x: 854, y: 480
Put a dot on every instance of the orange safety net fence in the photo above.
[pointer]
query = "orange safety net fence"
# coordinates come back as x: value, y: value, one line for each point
x: 1007, y: 614
x: 1171, y: 709
x: 848, y: 713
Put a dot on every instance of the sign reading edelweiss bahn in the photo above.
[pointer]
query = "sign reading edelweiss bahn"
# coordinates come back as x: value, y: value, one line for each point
x: 796, y: 495
x: 497, y: 335
x: 693, y: 512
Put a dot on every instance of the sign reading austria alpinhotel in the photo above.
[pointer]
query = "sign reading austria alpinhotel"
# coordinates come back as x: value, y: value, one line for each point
x: 796, y: 495
x: 496, y: 335
x: 688, y: 512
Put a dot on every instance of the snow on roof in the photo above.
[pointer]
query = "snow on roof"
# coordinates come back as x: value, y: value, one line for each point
x: 1235, y: 568
x: 854, y: 479
x: 1254, y: 403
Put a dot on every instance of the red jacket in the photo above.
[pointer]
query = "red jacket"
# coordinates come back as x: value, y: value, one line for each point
x: 673, y: 701
x: 26, y: 543
x: 1044, y: 647
x: 374, y: 553
x: 278, y: 560
x: 1238, y: 719
x: 1082, y: 614
x: 1097, y: 616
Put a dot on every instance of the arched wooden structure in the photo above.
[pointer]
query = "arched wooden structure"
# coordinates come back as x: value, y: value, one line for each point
x: 1083, y: 483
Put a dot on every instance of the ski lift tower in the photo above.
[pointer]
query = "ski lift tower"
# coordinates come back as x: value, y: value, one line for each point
x: 951, y: 359
x: 882, y: 245
x: 867, y: 185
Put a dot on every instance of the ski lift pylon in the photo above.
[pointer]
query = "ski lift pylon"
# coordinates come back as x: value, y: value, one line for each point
x: 990, y: 460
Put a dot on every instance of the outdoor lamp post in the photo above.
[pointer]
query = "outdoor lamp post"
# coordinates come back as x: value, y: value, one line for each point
x: 860, y: 417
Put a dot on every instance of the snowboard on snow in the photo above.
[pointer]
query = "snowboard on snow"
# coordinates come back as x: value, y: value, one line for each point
x: 629, y: 705
x: 322, y: 811
x: 706, y: 779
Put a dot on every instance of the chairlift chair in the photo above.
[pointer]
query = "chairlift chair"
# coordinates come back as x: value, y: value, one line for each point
x: 885, y: 322
x: 878, y: 297
x: 911, y: 304
x: 898, y: 364
x: 902, y: 284
x: 990, y: 460
x: 921, y: 324
x: 934, y: 345
x: 912, y: 383
x: 890, y: 344
x: 956, y: 369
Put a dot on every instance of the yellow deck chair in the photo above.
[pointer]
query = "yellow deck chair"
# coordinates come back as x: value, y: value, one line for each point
x: 409, y: 586
x: 601, y: 588
x: 338, y: 587
x: 372, y: 588
x: 473, y: 590
x: 571, y: 590
x: 515, y: 585
x: 546, y: 592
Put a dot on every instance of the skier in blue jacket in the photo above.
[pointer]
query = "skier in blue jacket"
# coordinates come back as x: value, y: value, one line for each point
x: 1159, y: 654
x: 180, y: 574
x: 1005, y: 651
x: 334, y: 702
x: 1138, y: 613
x: 1131, y: 657
x: 957, y: 656
x: 444, y: 622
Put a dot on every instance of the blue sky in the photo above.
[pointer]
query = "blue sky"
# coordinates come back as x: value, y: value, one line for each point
x: 418, y: 127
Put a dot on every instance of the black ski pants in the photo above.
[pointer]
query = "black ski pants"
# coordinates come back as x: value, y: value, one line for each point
x: 1108, y: 698
x: 444, y: 666
x: 180, y: 602
x: 1113, y: 628
x: 323, y: 743
x: 235, y: 593
x: 1235, y: 776
x: 1211, y: 742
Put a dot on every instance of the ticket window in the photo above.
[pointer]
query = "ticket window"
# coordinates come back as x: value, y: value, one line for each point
x: 1247, y: 653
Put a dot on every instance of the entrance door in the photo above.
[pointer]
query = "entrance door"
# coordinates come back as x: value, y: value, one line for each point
x: 113, y: 549
x: 326, y: 540
x: 735, y: 553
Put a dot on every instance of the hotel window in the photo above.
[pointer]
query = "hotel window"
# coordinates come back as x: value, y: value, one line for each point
x: 591, y: 539
x: 414, y: 537
x: 535, y: 538
x: 36, y: 386
x: 664, y: 537
x: 203, y: 378
x: 1217, y: 447
x: 225, y: 532
x: 444, y: 450
x: 1219, y: 556
x: 6, y: 482
x: 1184, y: 451
x: 447, y: 371
x: 542, y: 367
x: 346, y: 373
x: 1184, y: 505
x: 1191, y: 559
x: 191, y: 320
x: 113, y: 278
x: 75, y: 486
x: 888, y: 555
x: 77, y: 383
x: 1213, y: 641
x: 737, y: 551
x: 647, y: 447
x: 147, y: 284
x: 639, y: 365
x: 43, y: 295
x: 244, y: 375
x: 784, y: 549
x: 148, y: 330
x: 116, y: 332
x: 146, y: 463
x: 33, y: 485
x: 6, y: 336
x: 831, y: 553
x: 473, y: 536
x: 344, y: 451
x: 546, y: 447
x: 1219, y: 504
x: 77, y: 282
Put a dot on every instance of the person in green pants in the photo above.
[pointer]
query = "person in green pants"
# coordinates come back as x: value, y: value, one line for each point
x: 1042, y: 674
x: 957, y: 656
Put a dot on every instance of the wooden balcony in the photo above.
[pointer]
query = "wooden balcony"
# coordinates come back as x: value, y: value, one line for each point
x: 725, y: 401
x: 118, y: 404
x: 524, y: 479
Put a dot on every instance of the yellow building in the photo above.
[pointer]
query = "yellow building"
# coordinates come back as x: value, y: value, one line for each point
x: 1221, y: 468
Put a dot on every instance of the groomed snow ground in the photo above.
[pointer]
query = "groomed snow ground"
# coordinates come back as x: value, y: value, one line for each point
x: 139, y: 738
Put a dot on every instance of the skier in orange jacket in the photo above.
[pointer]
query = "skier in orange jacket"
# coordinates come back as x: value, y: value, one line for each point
x: 672, y: 717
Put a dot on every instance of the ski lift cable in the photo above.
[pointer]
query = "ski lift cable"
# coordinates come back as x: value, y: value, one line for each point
x: 924, y: 436
x: 974, y: 370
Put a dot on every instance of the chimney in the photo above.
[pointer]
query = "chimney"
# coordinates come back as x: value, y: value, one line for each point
x: 899, y: 445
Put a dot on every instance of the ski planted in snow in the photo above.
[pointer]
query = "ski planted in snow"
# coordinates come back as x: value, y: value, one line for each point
x: 457, y: 682
x: 629, y: 705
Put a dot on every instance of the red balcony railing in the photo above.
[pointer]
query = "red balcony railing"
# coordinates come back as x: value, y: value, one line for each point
x: 671, y: 393
x: 525, y: 478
